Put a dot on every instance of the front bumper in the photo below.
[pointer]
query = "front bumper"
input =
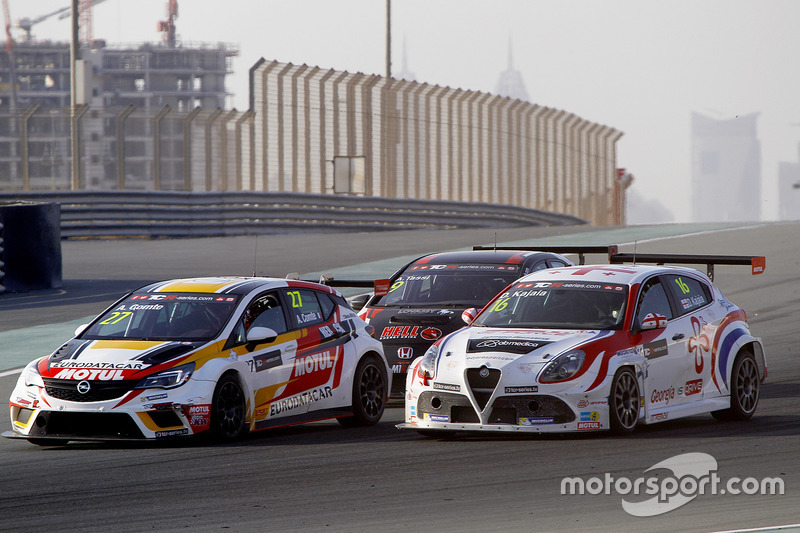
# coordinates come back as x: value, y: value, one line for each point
x: 434, y: 410
x: 137, y: 415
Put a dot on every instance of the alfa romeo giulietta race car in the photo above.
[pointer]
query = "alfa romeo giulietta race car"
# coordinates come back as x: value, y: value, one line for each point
x: 591, y: 348
x: 220, y: 356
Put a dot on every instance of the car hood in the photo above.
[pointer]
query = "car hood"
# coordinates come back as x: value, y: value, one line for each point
x: 525, y: 350
x: 108, y: 360
x: 415, y: 324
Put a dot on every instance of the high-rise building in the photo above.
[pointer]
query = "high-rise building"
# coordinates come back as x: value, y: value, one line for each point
x: 789, y: 189
x: 510, y: 83
x: 726, y: 169
x: 148, y: 75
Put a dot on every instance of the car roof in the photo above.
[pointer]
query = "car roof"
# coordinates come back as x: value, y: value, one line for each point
x: 234, y: 285
x: 621, y: 274
x: 480, y: 257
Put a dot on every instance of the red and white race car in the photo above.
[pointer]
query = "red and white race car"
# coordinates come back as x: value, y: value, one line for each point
x: 592, y: 348
x: 220, y: 356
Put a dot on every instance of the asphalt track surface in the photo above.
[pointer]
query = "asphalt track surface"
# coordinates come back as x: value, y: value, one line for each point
x: 321, y: 477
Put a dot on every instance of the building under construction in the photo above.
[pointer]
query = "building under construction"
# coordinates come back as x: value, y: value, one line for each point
x: 147, y: 79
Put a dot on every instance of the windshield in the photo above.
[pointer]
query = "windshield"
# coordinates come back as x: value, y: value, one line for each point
x: 558, y: 305
x: 163, y: 316
x: 443, y: 285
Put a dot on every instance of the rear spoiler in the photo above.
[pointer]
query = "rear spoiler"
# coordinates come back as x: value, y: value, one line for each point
x: 757, y: 263
x: 379, y: 286
x: 580, y: 250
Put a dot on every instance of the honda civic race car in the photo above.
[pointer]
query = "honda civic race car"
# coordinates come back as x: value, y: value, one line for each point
x: 426, y: 298
x: 219, y: 356
x: 591, y: 348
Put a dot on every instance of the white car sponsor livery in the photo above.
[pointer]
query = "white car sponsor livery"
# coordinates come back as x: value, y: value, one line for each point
x: 220, y: 356
x: 592, y: 348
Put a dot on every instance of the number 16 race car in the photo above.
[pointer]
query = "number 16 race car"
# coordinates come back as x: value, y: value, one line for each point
x: 220, y: 356
x: 593, y: 348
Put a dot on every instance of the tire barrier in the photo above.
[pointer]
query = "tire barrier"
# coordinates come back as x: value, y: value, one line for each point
x: 112, y: 214
x: 31, y: 245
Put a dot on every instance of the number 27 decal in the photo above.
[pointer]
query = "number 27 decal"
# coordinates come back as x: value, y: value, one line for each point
x: 115, y: 317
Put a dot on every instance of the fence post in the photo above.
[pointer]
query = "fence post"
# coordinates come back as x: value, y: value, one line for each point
x: 209, y: 123
x: 224, y: 141
x: 75, y: 121
x: 187, y: 148
x: 157, y: 146
x: 26, y: 174
x: 238, y: 150
x: 121, y: 145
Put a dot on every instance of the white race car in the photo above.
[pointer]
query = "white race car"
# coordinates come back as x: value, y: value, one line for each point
x: 592, y: 348
x: 220, y: 356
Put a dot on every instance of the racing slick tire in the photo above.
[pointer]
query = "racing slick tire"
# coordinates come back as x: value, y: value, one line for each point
x: 369, y: 393
x: 745, y: 388
x: 623, y: 412
x: 228, y: 410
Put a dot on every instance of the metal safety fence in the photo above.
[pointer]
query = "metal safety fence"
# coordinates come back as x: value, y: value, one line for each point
x: 316, y: 131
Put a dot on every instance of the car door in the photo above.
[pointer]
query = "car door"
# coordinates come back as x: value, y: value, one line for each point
x: 324, y: 349
x: 269, y: 363
x: 662, y: 348
x: 691, y: 297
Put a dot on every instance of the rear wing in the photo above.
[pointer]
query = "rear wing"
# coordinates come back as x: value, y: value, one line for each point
x: 580, y: 250
x: 757, y: 263
x: 379, y: 286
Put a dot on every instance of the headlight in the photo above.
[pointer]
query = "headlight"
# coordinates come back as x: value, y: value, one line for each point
x: 427, y: 367
x: 31, y: 376
x: 167, y: 379
x: 563, y: 367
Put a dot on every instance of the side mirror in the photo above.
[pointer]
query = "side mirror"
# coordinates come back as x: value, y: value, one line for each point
x: 358, y: 301
x: 260, y: 335
x: 469, y: 315
x: 653, y: 321
x: 80, y: 329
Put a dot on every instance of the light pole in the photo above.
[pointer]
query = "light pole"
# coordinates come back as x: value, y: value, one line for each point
x: 73, y: 97
x: 388, y: 39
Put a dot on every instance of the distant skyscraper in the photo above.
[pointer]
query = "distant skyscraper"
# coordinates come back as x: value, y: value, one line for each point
x: 789, y: 189
x: 404, y: 73
x: 726, y: 169
x: 510, y: 82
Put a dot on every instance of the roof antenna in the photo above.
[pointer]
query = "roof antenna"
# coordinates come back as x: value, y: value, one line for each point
x: 635, y: 243
x: 495, y: 241
x: 255, y: 256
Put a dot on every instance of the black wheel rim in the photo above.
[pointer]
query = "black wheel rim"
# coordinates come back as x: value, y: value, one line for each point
x: 230, y: 409
x: 747, y: 385
x: 371, y: 390
x: 626, y: 400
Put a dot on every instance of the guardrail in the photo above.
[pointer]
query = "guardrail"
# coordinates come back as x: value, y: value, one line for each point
x: 110, y: 214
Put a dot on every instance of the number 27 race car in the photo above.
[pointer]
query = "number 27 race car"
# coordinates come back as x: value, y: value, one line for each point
x: 219, y: 356
x: 593, y: 348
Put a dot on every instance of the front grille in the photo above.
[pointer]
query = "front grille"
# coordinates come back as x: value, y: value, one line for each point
x: 100, y: 425
x: 99, y: 391
x: 482, y: 386
x: 456, y: 406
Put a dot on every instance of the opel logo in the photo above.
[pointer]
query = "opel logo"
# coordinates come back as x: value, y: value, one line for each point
x: 484, y: 373
x: 84, y: 386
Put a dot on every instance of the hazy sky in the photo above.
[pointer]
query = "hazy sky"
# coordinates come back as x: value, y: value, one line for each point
x: 641, y: 66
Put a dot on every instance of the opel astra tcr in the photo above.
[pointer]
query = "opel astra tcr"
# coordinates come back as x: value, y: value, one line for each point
x: 591, y: 348
x: 220, y: 356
